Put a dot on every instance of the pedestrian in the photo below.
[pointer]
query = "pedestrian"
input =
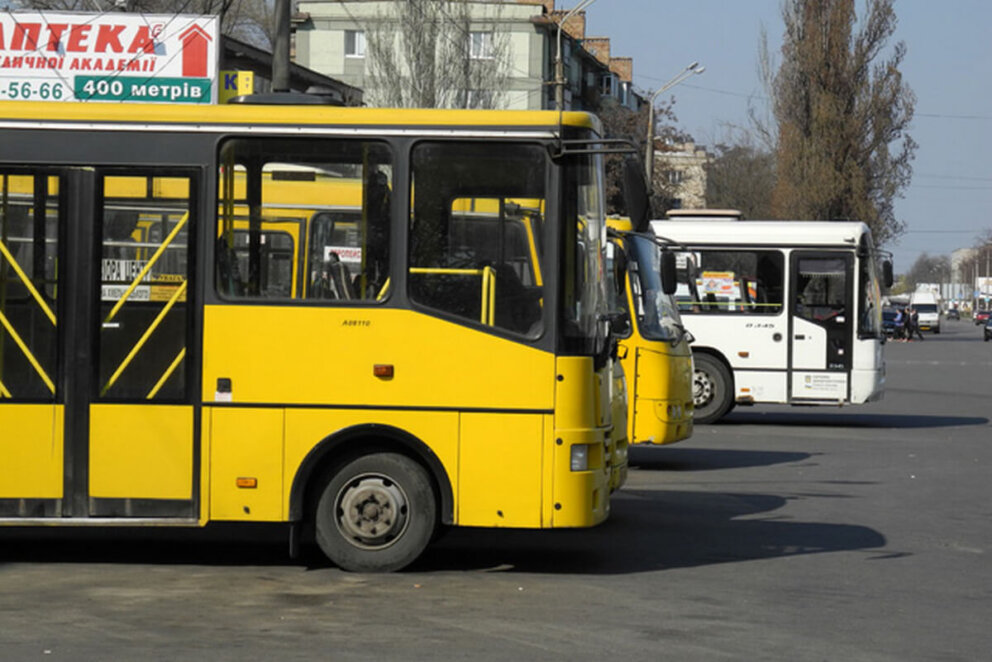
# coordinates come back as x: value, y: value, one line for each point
x: 914, y: 317
x: 900, y: 324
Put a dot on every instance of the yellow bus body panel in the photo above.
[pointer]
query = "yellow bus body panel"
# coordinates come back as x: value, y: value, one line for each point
x: 659, y: 377
x: 247, y: 115
x: 247, y: 444
x: 324, y: 358
x: 621, y: 429
x: 141, y: 451
x: 320, y: 355
x: 31, y: 451
x: 580, y: 498
x: 501, y: 469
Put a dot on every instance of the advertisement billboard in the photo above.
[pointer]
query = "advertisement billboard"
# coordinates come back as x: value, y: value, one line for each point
x: 68, y: 56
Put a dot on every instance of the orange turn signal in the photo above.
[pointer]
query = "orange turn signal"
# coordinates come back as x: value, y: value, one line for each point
x: 384, y: 370
x: 247, y: 483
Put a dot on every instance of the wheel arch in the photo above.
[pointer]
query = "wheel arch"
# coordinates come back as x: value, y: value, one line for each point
x: 358, y: 440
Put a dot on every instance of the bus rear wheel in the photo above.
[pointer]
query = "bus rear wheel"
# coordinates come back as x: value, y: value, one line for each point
x: 376, y: 513
x: 712, y: 390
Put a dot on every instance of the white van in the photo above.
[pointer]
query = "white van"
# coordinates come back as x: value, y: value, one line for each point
x: 928, y: 308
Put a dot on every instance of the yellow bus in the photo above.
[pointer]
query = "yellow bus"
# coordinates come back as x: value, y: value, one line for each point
x: 654, y: 346
x: 182, y: 341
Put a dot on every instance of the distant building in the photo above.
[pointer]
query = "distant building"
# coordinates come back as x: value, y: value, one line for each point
x: 682, y: 169
x: 332, y: 38
x: 240, y: 56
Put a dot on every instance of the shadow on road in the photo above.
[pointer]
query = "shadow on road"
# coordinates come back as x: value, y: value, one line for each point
x: 809, y: 418
x: 648, y: 530
x: 678, y: 458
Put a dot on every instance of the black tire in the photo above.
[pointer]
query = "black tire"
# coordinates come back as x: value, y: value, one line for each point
x: 377, y: 513
x: 712, y: 389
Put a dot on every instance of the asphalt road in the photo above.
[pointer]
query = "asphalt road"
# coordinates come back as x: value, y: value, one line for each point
x: 861, y: 533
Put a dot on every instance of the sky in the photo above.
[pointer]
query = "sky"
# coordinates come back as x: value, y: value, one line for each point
x: 948, y: 65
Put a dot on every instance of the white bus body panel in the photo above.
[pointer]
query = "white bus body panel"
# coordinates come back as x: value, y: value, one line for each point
x: 868, y: 371
x: 761, y: 373
x: 809, y: 346
x: 764, y: 375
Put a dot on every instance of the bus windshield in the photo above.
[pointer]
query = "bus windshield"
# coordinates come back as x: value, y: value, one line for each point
x: 657, y: 313
x: 585, y: 305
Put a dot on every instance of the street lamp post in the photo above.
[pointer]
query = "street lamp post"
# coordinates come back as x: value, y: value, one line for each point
x: 559, y: 64
x: 692, y: 69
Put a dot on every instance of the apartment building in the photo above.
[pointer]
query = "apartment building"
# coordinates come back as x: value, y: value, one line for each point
x: 517, y: 41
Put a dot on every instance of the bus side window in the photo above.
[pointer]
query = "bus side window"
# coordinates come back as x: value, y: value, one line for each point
x: 475, y: 226
x: 304, y: 219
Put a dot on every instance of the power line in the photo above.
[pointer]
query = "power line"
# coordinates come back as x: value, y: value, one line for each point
x: 958, y: 177
x: 761, y: 97
x: 951, y: 188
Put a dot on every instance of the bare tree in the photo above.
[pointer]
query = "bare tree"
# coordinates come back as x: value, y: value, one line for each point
x: 928, y: 269
x: 624, y: 123
x: 437, y: 54
x: 842, y: 110
x: 741, y: 176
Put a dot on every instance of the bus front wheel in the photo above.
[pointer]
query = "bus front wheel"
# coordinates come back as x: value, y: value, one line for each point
x: 376, y: 513
x: 712, y: 390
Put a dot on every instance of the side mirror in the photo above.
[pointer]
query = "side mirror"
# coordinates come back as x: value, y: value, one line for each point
x: 669, y: 273
x: 635, y: 194
x: 620, y: 324
x: 620, y: 272
x: 887, y: 276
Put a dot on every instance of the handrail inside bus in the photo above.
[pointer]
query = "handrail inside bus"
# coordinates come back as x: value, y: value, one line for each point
x: 27, y: 283
x: 144, y: 337
x: 168, y: 373
x: 488, y: 305
x: 148, y: 266
x: 27, y: 352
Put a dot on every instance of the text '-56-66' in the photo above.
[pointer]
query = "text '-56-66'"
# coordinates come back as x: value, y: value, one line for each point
x: 25, y: 89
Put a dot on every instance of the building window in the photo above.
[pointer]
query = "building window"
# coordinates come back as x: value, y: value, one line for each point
x: 354, y: 43
x: 608, y: 85
x: 675, y: 177
x: 480, y: 45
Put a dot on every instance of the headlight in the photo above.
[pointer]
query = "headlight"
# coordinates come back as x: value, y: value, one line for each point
x: 580, y: 457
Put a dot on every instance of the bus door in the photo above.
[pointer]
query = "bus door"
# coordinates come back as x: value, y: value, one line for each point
x: 31, y: 447
x: 141, y: 426
x: 821, y: 318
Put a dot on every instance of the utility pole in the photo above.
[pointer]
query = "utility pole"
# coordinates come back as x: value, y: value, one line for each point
x: 559, y: 63
x: 280, y: 49
x: 693, y: 68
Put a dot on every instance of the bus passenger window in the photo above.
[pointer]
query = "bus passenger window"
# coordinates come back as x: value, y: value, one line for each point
x: 748, y: 282
x: 304, y: 220
x: 476, y: 233
x: 821, y: 289
x: 29, y: 236
x: 144, y: 282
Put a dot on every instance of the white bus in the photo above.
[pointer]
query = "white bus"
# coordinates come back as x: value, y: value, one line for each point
x: 782, y: 312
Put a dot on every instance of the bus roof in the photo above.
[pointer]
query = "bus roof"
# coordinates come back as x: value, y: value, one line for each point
x: 701, y: 214
x: 32, y: 114
x: 763, y: 233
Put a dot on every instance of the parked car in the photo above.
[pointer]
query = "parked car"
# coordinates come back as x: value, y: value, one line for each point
x: 953, y: 314
x: 889, y: 321
x: 987, y: 331
x: 982, y: 316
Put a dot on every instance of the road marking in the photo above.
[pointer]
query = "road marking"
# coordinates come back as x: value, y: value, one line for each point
x: 956, y: 363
